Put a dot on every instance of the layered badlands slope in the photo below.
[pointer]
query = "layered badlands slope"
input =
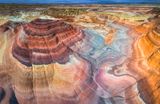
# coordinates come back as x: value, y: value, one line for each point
x: 61, y: 75
x: 148, y: 46
x: 52, y: 62
x: 45, y: 42
x: 42, y: 68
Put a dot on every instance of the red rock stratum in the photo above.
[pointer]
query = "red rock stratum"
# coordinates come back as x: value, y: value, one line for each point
x: 45, y: 42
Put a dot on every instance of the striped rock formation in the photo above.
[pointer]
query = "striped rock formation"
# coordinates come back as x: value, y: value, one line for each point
x: 46, y: 70
x: 44, y: 42
x: 52, y: 62
x: 149, y: 48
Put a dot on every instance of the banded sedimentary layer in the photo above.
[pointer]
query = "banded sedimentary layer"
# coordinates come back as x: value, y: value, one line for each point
x: 45, y: 42
x: 149, y: 45
x: 49, y: 61
x: 149, y: 48
x: 46, y: 68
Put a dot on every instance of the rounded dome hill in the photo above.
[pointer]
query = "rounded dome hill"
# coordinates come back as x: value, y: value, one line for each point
x: 45, y: 41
